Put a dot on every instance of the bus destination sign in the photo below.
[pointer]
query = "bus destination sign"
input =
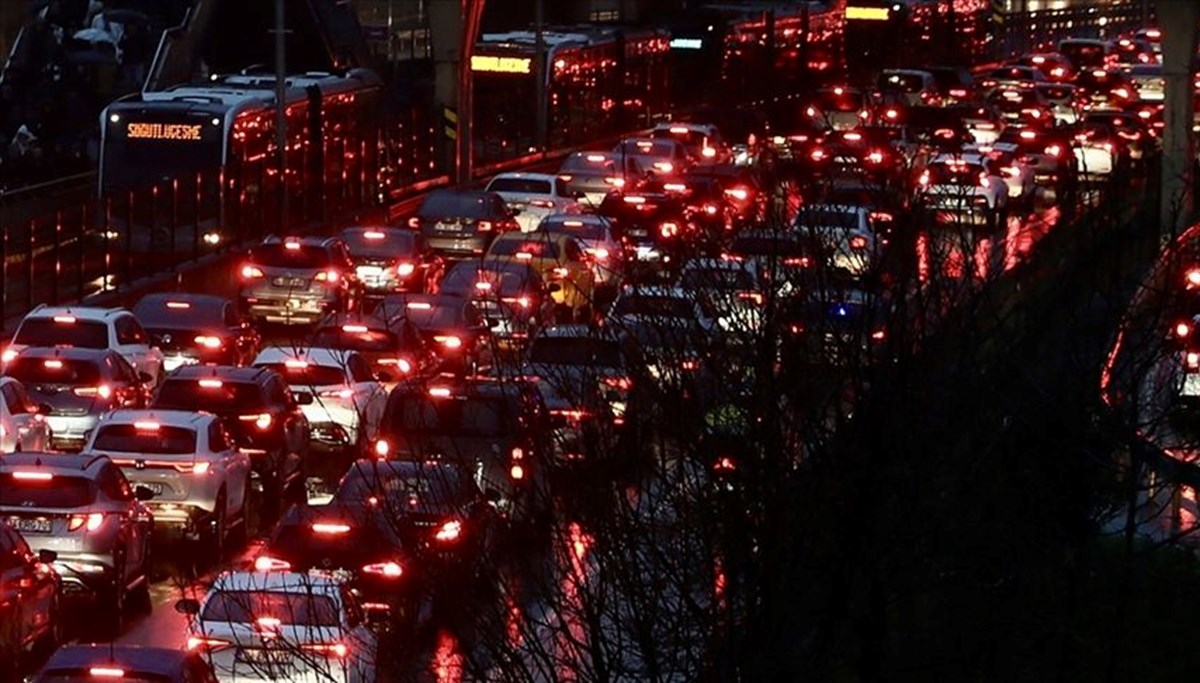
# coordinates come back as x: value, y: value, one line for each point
x: 185, y: 132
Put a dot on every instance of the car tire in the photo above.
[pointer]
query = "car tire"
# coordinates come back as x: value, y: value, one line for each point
x: 216, y: 530
x: 112, y: 601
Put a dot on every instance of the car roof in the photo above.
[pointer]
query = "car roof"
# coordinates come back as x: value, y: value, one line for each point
x: 659, y: 290
x: 275, y: 582
x: 163, y: 298
x: 171, y: 418
x: 90, y: 313
x: 584, y: 218
x: 315, y: 355
x: 58, y: 463
x: 521, y: 175
x: 576, y: 332
x: 152, y: 660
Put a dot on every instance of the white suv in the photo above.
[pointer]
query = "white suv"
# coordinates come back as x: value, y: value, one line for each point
x: 199, y: 478
x: 533, y: 196
x: 89, y: 328
x: 848, y: 241
x: 965, y: 186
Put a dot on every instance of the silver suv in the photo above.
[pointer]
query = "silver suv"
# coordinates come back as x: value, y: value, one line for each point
x: 298, y: 280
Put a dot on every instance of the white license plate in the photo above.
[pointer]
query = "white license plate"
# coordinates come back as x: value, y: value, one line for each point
x: 448, y: 227
x: 27, y: 525
x: 370, y: 271
x: 1191, y: 385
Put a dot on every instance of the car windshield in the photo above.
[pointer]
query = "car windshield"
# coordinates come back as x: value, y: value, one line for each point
x: 211, y: 394
x: 535, y: 248
x: 146, y: 437
x: 469, y: 416
x: 585, y: 163
x: 33, y: 371
x: 247, y: 607
x: 430, y: 486
x: 301, y: 373
x: 290, y: 255
x: 827, y: 218
x: 158, y: 313
x: 34, y: 489
x: 66, y: 331
x: 718, y: 278
x: 901, y: 82
x: 449, y: 204
x: 658, y: 306
x: 464, y: 278
x: 575, y: 351
x: 521, y: 186
x: 645, y: 148
x: 379, y: 243
x: 355, y: 338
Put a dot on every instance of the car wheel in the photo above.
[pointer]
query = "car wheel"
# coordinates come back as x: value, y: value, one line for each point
x: 139, y: 599
x: 113, y: 600
x: 216, y: 530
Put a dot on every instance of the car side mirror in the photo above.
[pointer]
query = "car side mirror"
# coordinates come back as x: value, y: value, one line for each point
x: 143, y: 493
x: 304, y: 398
x: 47, y: 556
x: 188, y: 606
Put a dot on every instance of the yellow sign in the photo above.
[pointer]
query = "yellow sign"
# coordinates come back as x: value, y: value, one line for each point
x: 868, y: 13
x: 501, y: 65
x: 163, y: 131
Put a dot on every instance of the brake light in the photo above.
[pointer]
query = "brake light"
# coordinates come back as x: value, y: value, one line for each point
x: 634, y: 199
x: 559, y: 272
x: 211, y: 384
x: 664, y: 166
x: 1053, y: 150
x: 483, y: 226
x: 594, y: 158
x: 708, y: 152
x: 689, y: 364
x: 197, y: 642
x: 146, y: 426
x: 983, y: 181
x: 439, y: 392
x: 450, y: 341
x: 817, y: 154
x: 858, y: 242
x: 1182, y: 330
x: 250, y: 272
x: 483, y: 285
x: 266, y: 563
x: 382, y: 448
x: 208, y: 342
x: 329, y: 528
x: 1028, y: 134
x: 1123, y: 93
x: 622, y: 383
x: 373, y: 235
x: 405, y: 269
x: 598, y: 253
x: 103, y: 391
x: 877, y: 335
x: 450, y: 531
x: 958, y: 92
x: 88, y: 522
x: 178, y: 304
x: 328, y: 276
x: 517, y: 472
x: 1193, y: 360
x: 8, y: 355
x: 923, y: 181
x: 414, y: 222
x: 675, y: 187
x: 524, y: 256
x: 295, y: 364
x: 615, y: 181
x: 864, y: 114
x: 1010, y: 171
x: 53, y: 364
x: 262, y: 420
x: 756, y: 297
x: 739, y: 193
x: 875, y: 157
x: 1193, y: 277
x: 354, y: 329
x: 891, y: 113
x: 106, y: 672
x: 33, y: 476
x: 342, y: 393
x: 65, y: 319
x: 668, y: 229
x: 389, y: 570
x: 542, y: 203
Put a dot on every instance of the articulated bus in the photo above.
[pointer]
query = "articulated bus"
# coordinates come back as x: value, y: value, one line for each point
x: 889, y: 33
x: 197, y: 165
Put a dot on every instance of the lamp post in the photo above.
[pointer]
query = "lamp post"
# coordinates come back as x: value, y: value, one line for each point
x: 281, y: 110
x: 540, y: 74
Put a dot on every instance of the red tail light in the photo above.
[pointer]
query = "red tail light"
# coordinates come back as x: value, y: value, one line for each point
x: 817, y: 154
x: 668, y: 229
x: 450, y: 531
x: 382, y: 448
x: 328, y: 276
x: 1053, y: 150
x: 1182, y: 330
x: 1193, y: 360
x: 875, y: 157
x: 858, y: 242
x: 265, y: 563
x: 330, y: 528
x: 741, y: 194
x: 414, y: 222
x: 756, y: 297
x: 615, y: 181
x: 622, y: 383
x: 102, y: 391
x: 1193, y: 277
x: 388, y: 570
x: 338, y: 650
x: 208, y: 342
x: 250, y: 272
x: 405, y: 269
x: 206, y: 643
x: 261, y: 420
x: 89, y: 522
x: 542, y: 203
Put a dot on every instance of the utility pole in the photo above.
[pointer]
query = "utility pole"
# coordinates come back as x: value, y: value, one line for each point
x: 281, y: 111
x: 540, y: 73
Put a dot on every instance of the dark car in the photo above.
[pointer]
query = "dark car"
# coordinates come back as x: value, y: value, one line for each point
x: 392, y: 346
x: 497, y: 428
x: 29, y: 616
x: 739, y: 187
x: 1129, y: 127
x: 360, y: 542
x: 76, y: 386
x: 461, y: 222
x: 1104, y: 88
x: 511, y: 296
x: 113, y: 662
x: 448, y: 326
x: 837, y: 328
x: 652, y: 228
x: 298, y: 280
x: 595, y: 174
x: 262, y: 416
x: 197, y: 328
x: 955, y: 83
x: 392, y: 259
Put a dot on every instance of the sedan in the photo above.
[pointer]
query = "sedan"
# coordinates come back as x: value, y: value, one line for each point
x: 391, y: 259
x: 197, y: 328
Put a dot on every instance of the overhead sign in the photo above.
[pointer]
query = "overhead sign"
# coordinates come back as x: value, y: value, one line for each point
x: 868, y: 13
x: 186, y: 132
x: 501, y: 65
x: 687, y: 43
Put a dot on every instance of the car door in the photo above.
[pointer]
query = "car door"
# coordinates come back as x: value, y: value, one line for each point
x: 40, y: 586
x: 24, y: 427
x: 369, y: 393
x: 134, y: 345
x: 134, y: 520
x: 362, y: 639
x: 13, y: 599
x: 236, y: 466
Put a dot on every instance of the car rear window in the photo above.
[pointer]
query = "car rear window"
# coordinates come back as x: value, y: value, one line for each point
x: 581, y: 229
x: 59, y: 491
x: 595, y: 162
x: 718, y: 278
x: 521, y: 186
x: 827, y: 218
x: 49, y: 332
x: 575, y: 351
x: 282, y: 256
x: 429, y: 487
x: 179, y: 313
x: 247, y: 607
x: 899, y: 82
x: 307, y: 374
x: 34, y: 371
x: 766, y: 246
x: 541, y: 249
x: 464, y: 278
x: 379, y: 243
x: 454, y: 205
x: 370, y: 339
x: 453, y: 416
x: 135, y: 438
x: 214, y: 395
x: 658, y: 306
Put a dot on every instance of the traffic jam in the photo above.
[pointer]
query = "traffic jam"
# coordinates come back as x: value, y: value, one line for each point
x: 315, y: 468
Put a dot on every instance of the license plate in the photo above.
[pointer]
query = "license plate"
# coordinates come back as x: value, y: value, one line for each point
x: 31, y: 526
x: 290, y: 282
x: 273, y: 661
x: 448, y: 227
x: 370, y: 271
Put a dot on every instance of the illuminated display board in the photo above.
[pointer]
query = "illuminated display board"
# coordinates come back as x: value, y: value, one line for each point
x: 501, y: 65
x: 868, y: 13
x: 183, y: 132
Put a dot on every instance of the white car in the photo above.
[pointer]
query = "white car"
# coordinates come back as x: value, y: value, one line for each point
x: 733, y: 290
x: 1096, y: 150
x: 533, y: 196
x: 595, y: 234
x: 1018, y: 171
x: 199, y: 477
x: 89, y: 328
x: 282, y: 626
x: 339, y: 395
x: 914, y: 87
x: 654, y: 156
x: 1062, y: 100
x: 848, y: 241
x: 22, y: 425
x: 702, y: 140
x: 672, y: 307
x: 962, y: 185
x: 1149, y: 81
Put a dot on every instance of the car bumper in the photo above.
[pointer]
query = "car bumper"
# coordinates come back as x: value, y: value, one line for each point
x: 458, y: 245
x: 298, y: 308
x: 85, y: 573
x: 70, y: 432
